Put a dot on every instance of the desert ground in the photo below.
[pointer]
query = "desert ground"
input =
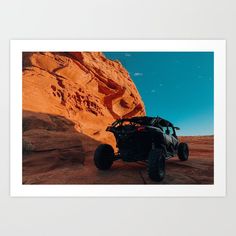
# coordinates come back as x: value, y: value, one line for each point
x: 56, y: 166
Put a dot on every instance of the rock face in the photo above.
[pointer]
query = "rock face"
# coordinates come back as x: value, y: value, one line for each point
x: 46, y: 168
x: 83, y: 87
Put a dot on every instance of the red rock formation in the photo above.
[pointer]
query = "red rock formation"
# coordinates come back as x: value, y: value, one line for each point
x: 83, y: 87
x: 44, y: 168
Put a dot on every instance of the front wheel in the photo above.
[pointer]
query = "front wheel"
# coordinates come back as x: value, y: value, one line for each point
x: 183, y: 151
x: 104, y: 156
x: 156, y: 165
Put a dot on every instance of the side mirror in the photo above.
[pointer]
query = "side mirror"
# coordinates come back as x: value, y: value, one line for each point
x: 177, y: 128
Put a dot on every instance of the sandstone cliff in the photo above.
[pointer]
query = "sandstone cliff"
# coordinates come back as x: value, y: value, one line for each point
x: 83, y: 87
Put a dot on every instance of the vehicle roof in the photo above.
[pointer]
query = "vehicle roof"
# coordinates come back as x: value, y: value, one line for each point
x: 148, y: 119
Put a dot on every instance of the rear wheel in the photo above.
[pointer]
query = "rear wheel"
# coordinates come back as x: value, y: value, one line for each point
x: 183, y: 151
x: 156, y: 164
x: 104, y: 156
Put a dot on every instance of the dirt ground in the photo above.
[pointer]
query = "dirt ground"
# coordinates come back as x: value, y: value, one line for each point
x: 48, y: 167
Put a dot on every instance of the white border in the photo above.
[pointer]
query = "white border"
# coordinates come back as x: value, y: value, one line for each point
x: 219, y: 186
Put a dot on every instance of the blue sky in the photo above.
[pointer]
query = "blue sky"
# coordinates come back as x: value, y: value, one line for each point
x: 178, y: 86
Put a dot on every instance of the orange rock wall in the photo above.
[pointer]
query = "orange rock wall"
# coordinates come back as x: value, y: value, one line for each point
x: 84, y: 87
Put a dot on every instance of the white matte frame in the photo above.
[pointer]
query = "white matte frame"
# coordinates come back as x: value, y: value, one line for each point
x: 216, y: 189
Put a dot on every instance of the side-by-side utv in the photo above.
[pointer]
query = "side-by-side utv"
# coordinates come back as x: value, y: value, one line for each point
x: 149, y: 139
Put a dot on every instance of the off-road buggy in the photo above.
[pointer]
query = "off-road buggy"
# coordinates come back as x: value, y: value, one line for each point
x: 148, y: 139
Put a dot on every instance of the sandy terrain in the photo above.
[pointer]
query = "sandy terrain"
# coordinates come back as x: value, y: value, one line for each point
x: 49, y: 167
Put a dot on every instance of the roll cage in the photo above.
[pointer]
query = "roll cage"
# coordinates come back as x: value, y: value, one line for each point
x: 158, y: 122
